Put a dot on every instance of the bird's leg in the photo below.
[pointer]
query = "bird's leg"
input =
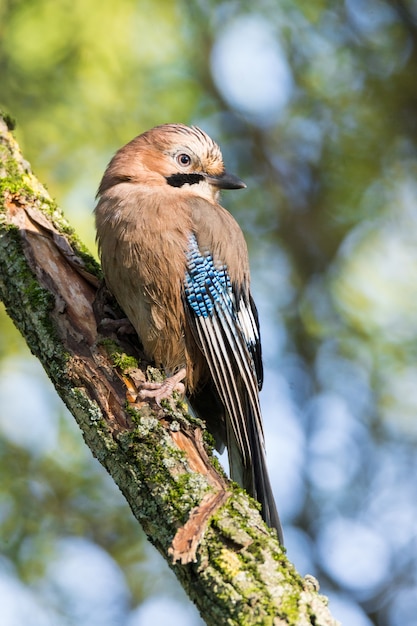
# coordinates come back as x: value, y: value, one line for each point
x: 160, y: 391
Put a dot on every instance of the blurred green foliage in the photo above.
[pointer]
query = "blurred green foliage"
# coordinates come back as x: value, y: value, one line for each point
x: 330, y: 215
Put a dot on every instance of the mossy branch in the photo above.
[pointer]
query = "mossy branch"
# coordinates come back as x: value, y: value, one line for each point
x: 229, y: 562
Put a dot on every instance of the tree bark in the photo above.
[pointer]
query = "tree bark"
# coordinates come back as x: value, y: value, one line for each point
x: 210, y: 532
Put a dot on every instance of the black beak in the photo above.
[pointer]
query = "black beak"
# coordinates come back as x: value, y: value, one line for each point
x: 225, y: 181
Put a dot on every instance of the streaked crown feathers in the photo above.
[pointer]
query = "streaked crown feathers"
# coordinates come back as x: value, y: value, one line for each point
x: 173, y: 139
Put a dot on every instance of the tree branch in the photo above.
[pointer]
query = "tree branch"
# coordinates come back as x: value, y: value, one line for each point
x: 210, y: 532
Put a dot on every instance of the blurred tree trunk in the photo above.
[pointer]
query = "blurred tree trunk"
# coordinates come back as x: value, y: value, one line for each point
x: 211, y: 534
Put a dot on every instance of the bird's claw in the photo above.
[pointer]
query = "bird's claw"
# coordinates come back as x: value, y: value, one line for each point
x: 165, y: 389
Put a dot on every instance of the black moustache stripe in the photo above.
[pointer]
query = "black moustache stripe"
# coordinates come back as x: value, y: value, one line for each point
x: 178, y: 180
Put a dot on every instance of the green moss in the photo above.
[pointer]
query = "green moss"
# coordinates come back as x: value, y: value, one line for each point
x: 181, y: 403
x: 11, y: 165
x: 289, y: 608
x: 134, y: 413
x: 209, y: 441
x: 14, y: 185
x: 120, y: 359
x: 38, y: 298
x: 39, y: 301
x: 9, y: 120
x: 18, y: 182
x: 90, y: 264
x: 50, y: 208
x: 109, y: 345
x: 124, y: 362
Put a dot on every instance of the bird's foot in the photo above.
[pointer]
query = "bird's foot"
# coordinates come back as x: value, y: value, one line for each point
x: 160, y: 391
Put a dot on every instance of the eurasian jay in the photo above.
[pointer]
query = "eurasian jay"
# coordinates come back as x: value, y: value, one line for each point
x: 177, y: 263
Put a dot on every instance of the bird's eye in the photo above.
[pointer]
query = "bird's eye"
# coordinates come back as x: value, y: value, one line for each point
x: 184, y: 159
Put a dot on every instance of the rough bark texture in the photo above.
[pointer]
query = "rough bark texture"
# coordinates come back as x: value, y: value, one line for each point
x: 229, y: 562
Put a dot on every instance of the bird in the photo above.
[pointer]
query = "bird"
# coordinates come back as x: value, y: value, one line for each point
x: 177, y: 263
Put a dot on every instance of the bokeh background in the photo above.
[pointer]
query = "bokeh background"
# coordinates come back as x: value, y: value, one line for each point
x: 315, y: 107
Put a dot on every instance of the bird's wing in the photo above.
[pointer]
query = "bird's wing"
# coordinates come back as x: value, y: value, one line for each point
x: 225, y: 325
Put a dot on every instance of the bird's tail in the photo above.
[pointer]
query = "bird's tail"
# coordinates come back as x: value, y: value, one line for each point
x: 253, y: 476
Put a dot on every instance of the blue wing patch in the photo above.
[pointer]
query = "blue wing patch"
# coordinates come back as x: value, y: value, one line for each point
x: 205, y: 284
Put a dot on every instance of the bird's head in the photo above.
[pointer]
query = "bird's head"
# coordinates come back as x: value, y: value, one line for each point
x: 180, y: 156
